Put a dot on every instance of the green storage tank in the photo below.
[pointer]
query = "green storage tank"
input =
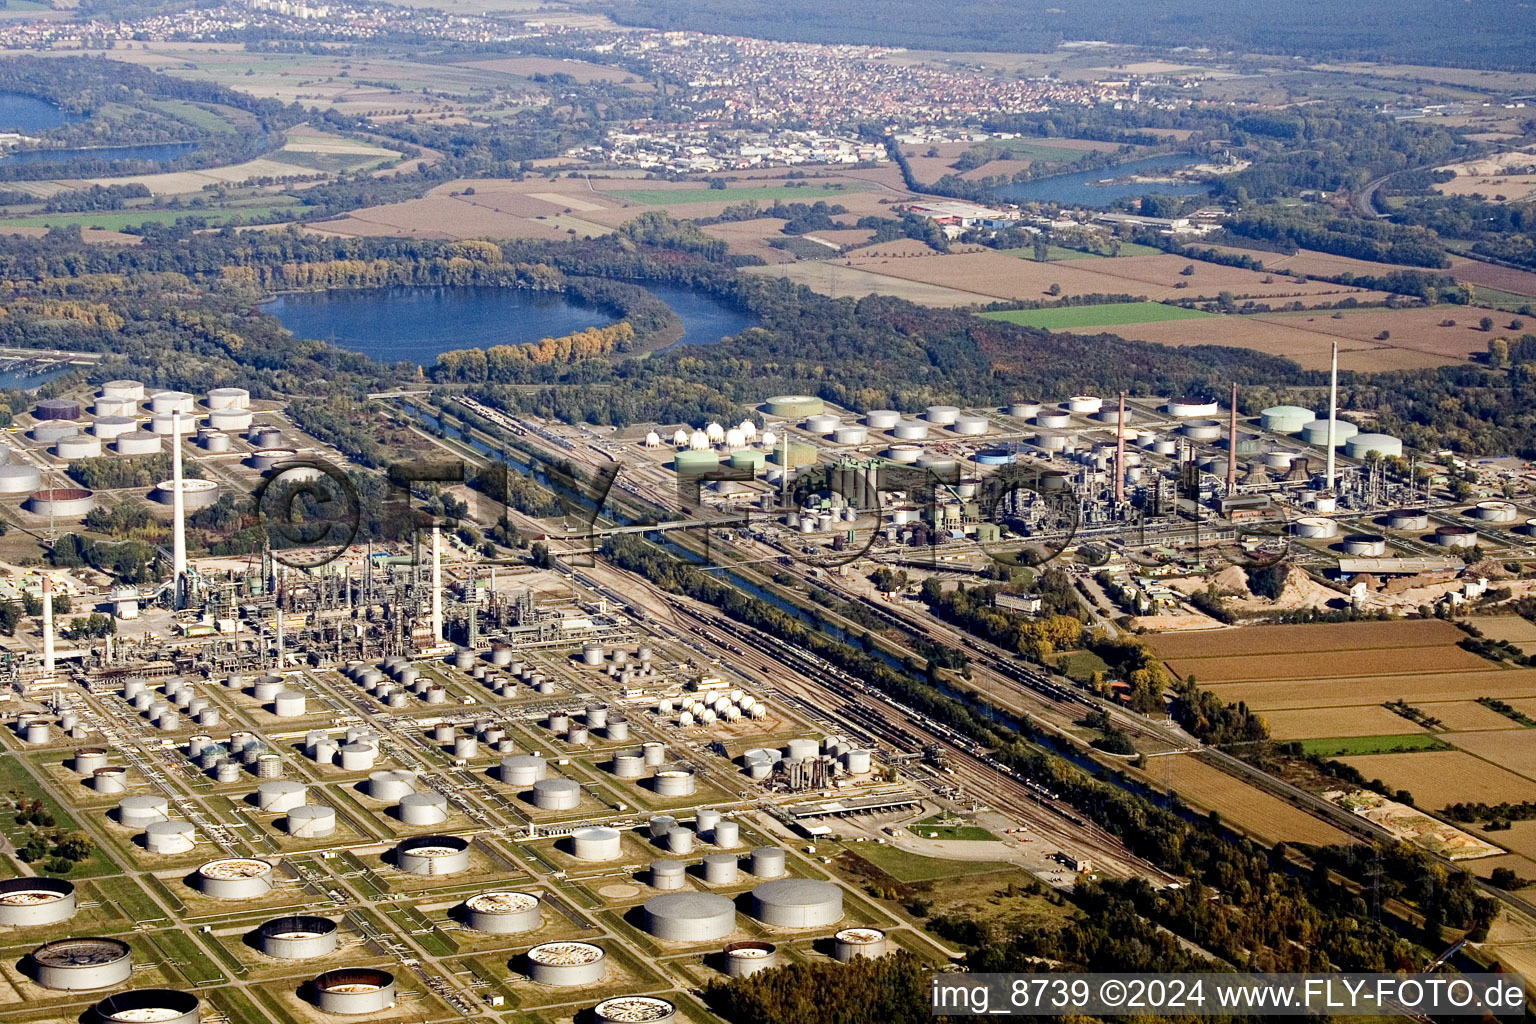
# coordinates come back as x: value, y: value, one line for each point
x: 748, y: 458
x: 800, y: 454
x: 793, y: 407
x: 695, y: 463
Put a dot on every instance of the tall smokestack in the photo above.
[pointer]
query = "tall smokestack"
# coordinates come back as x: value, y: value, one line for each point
x: 1333, y: 412
x: 178, y: 517
x: 1120, y: 453
x: 1232, y: 444
x: 48, y: 627
x: 437, y: 585
x: 277, y: 604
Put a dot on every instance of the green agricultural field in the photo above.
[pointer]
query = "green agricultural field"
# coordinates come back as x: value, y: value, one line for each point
x: 1350, y: 745
x: 1022, y: 149
x: 911, y: 867
x: 1081, y: 665
x: 930, y: 828
x: 1053, y: 253
x: 763, y: 193
x: 1063, y: 318
x: 193, y: 114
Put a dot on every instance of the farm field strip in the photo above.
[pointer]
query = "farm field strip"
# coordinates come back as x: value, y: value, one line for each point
x: 1381, y: 662
x: 1400, y: 743
x: 1306, y: 723
x: 1438, y: 778
x: 675, y: 196
x: 1268, y: 816
x: 1324, y: 637
x: 1108, y: 315
x: 1348, y: 692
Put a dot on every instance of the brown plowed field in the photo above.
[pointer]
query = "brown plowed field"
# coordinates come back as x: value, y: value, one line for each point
x: 1332, y: 636
x: 1383, y: 661
x: 1438, y: 778
x: 1310, y: 262
x: 1336, y: 692
x: 1507, y: 279
x: 1416, y: 329
x: 1267, y: 816
x: 1466, y: 716
x: 1512, y: 749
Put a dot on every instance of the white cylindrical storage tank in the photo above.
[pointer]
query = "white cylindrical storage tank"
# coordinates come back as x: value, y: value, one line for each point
x: 688, y: 916
x: 522, y: 769
x: 288, y: 704
x: 357, y: 757
x: 266, y: 690
x: 229, y: 398
x: 800, y: 749
x: 19, y: 479
x: 73, y: 965
x: 859, y: 943
x: 215, y: 441
x: 566, y: 964
x: 129, y: 389
x: 971, y: 425
x: 903, y: 454
x: 432, y: 855
x: 466, y: 747
x: 107, y: 428
x: 38, y: 732
x: 1023, y: 410
x: 673, y: 782
x: 766, y: 862
x: 78, y: 446
x: 1285, y: 419
x: 109, y: 780
x: 910, y: 430
x: 353, y: 991
x: 668, y: 874
x: 1053, y: 419
x: 726, y: 834
x: 299, y: 937
x: 721, y: 869
x: 507, y: 912
x: 941, y: 415
x: 882, y: 419
x: 1361, y: 445
x: 1188, y: 406
x: 391, y: 786
x: 1201, y: 429
x: 1365, y: 545
x: 654, y: 753
x: 169, y: 837
x: 628, y: 765
x: 1111, y: 415
x: 1316, y: 432
x: 171, y: 401
x: 195, y: 494
x: 1050, y: 442
x: 162, y: 1005
x: 797, y: 903
x: 88, y: 759
x: 850, y: 435
x: 858, y: 762
x: 281, y: 795
x: 1278, y: 460
x: 28, y: 902
x: 634, y: 1010
x: 1493, y: 511
x: 595, y: 843
x: 1454, y: 537
x: 236, y: 878
x: 705, y: 819
x: 311, y: 821
x: 423, y: 809
x: 679, y: 840
x: 139, y: 811
x: 1315, y: 527
x: 744, y: 959
x: 137, y: 442
x: 53, y: 431
x: 1408, y: 519
x: 823, y: 423
x: 556, y: 794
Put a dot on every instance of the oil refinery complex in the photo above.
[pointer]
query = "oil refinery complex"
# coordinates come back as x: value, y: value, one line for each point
x: 410, y: 782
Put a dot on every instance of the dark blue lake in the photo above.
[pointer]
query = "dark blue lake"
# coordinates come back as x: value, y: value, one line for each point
x: 1082, y: 188
x: 30, y: 115
x: 157, y: 153
x: 416, y: 324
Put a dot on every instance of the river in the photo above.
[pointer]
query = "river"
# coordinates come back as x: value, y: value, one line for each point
x: 414, y: 323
